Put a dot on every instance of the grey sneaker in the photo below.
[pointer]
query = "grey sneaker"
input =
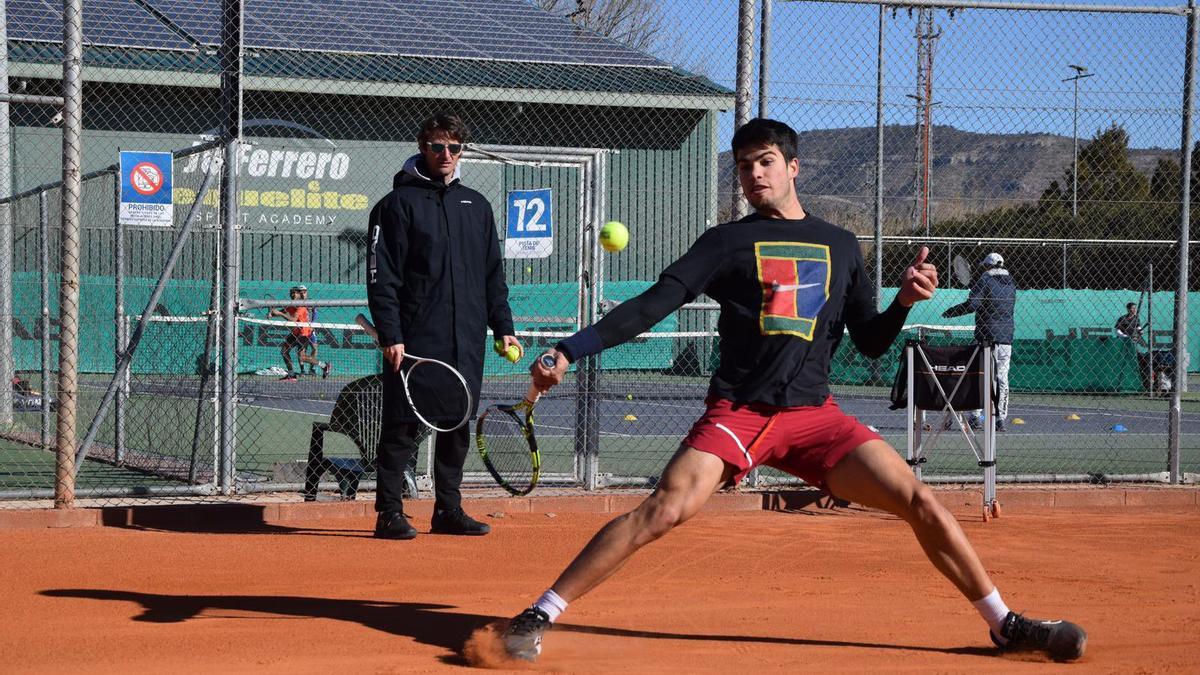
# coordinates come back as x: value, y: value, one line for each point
x: 523, y: 637
x: 1000, y: 425
x: 1060, y: 640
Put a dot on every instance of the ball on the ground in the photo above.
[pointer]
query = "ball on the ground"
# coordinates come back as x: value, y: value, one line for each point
x: 613, y: 236
x: 513, y: 353
x: 528, y: 270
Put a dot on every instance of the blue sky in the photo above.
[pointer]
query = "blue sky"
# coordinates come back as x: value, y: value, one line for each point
x: 994, y: 71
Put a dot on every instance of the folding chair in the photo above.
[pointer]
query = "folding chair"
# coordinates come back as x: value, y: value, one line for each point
x: 950, y: 380
x: 358, y: 414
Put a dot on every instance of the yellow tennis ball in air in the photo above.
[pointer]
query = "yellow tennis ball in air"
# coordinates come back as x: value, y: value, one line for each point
x: 513, y: 353
x: 613, y: 236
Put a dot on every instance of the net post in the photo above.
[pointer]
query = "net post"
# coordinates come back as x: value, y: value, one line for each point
x: 1150, y: 329
x: 913, y: 430
x: 989, y: 433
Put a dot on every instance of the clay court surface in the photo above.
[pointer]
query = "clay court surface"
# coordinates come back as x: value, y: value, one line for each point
x: 753, y: 591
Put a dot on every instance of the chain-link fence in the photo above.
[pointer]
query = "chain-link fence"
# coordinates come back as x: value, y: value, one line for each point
x: 1028, y: 132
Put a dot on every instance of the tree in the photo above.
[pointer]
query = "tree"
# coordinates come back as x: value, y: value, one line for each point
x: 1166, y: 182
x: 1106, y: 176
x: 636, y: 23
x: 1116, y: 201
x: 1053, y: 200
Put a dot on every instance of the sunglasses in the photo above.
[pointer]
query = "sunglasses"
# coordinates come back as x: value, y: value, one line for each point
x: 439, y: 148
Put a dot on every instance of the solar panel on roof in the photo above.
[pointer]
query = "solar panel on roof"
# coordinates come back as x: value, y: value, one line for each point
x: 503, y: 30
x: 105, y: 22
x: 494, y: 30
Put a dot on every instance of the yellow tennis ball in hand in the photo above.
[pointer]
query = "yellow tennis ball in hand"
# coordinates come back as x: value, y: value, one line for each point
x: 613, y: 236
x: 498, y: 347
x: 513, y: 353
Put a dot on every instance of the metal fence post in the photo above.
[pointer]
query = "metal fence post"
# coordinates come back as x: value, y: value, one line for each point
x: 879, y: 163
x: 7, y: 365
x: 764, y: 58
x: 72, y: 203
x: 745, y: 58
x: 118, y: 316
x: 231, y: 94
x: 1175, y: 416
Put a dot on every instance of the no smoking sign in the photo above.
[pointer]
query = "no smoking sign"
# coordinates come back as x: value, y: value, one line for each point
x: 146, y: 178
x: 146, y: 189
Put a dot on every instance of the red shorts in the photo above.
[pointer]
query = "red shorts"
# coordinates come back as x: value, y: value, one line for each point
x: 805, y: 441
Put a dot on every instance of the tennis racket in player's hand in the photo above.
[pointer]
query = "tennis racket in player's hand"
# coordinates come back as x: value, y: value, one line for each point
x: 437, y: 393
x: 506, y: 441
x: 920, y: 280
x: 548, y: 370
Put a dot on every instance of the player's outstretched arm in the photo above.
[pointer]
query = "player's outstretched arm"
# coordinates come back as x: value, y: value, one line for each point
x: 625, y: 322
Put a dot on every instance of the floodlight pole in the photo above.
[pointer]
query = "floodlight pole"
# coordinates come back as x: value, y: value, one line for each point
x: 1080, y: 73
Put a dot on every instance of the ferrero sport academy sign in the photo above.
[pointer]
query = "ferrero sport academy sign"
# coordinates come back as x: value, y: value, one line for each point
x: 297, y: 188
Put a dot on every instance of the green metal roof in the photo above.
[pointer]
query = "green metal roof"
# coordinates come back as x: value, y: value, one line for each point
x: 521, y: 80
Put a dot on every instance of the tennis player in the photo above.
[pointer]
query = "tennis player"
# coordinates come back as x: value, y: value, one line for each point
x: 299, y: 338
x: 788, y: 284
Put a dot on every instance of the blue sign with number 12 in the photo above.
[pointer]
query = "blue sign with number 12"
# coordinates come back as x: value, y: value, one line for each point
x: 530, y: 230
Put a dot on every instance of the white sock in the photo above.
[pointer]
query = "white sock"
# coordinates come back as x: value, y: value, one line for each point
x: 551, y: 604
x: 993, y: 610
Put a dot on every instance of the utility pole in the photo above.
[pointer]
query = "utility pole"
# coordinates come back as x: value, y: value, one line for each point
x: 927, y: 35
x: 1080, y: 73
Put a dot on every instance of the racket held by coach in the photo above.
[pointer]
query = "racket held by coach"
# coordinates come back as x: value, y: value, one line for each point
x: 437, y: 393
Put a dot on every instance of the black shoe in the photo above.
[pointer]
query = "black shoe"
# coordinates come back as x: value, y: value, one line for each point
x: 455, y: 521
x: 1060, y: 640
x: 393, y: 525
x: 523, y: 637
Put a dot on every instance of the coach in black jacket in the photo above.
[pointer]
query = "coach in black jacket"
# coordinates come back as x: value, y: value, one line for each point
x: 435, y: 283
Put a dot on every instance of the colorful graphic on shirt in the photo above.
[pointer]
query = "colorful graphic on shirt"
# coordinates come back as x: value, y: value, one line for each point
x: 795, y: 286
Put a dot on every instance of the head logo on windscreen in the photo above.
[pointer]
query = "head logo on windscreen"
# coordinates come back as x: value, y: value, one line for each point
x: 795, y: 286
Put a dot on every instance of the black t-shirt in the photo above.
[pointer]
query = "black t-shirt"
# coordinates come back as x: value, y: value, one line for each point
x: 787, y: 290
